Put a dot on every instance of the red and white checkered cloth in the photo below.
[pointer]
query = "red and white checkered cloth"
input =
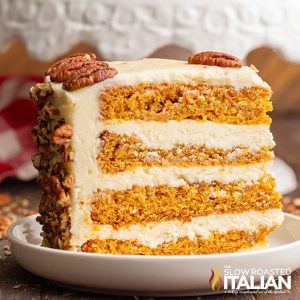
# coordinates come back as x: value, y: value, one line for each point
x: 17, y: 117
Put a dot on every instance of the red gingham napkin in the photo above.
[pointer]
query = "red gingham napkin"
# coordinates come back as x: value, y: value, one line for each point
x: 17, y: 117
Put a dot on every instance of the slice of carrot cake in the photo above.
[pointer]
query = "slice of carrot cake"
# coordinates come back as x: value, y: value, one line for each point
x: 155, y: 156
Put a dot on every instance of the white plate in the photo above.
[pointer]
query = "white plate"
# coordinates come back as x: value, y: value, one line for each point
x: 146, y: 275
x: 286, y: 180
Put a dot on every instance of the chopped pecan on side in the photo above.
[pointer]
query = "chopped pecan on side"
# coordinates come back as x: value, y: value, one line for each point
x: 62, y: 196
x: 53, y: 139
x: 51, y: 109
x: 80, y: 70
x: 62, y: 135
x: 55, y: 184
x: 68, y: 181
x: 40, y: 93
x: 212, y: 58
x: 36, y: 161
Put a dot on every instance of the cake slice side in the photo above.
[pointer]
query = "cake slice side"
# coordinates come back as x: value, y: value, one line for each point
x: 54, y: 158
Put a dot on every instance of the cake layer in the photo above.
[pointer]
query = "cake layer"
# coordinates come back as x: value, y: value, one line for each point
x: 153, y: 234
x: 178, y: 101
x: 177, y: 176
x: 156, y: 89
x: 119, y: 153
x: 165, y: 203
x: 232, y: 241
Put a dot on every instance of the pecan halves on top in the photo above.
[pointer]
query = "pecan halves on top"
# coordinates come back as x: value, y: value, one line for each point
x: 88, y: 75
x: 80, y: 70
x: 212, y: 58
x: 66, y: 69
x: 60, y: 70
x: 62, y: 135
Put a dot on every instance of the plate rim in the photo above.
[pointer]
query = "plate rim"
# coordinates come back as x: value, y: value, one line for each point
x: 13, y: 239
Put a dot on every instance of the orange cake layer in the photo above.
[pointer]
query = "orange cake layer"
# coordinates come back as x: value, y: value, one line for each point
x: 163, y: 203
x: 178, y: 101
x: 124, y: 153
x: 231, y: 241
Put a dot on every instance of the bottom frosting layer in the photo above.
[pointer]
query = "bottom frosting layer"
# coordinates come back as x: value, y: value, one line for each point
x: 231, y: 241
x: 154, y: 234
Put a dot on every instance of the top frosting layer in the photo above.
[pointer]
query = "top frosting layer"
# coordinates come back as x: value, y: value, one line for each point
x: 152, y: 70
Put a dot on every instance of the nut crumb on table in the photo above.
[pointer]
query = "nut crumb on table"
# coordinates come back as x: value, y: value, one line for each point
x: 12, y: 209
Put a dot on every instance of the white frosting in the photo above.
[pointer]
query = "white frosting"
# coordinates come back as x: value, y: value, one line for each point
x: 82, y: 114
x: 153, y: 70
x: 177, y: 176
x: 154, y: 234
x: 165, y: 135
x: 81, y: 110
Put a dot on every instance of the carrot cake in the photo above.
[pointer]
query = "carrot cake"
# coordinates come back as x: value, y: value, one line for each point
x: 155, y: 156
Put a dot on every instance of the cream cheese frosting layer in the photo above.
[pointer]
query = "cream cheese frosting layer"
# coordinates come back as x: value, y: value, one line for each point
x: 82, y: 114
x: 154, y: 234
x: 153, y: 70
x: 166, y: 135
x: 177, y: 176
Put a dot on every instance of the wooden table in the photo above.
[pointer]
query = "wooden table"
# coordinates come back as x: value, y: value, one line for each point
x: 16, y: 283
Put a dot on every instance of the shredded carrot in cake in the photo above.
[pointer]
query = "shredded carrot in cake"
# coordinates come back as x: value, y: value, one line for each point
x: 178, y: 101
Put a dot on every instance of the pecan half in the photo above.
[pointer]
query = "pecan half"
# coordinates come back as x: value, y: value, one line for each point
x: 60, y: 70
x: 88, y: 75
x: 62, y: 135
x: 80, y: 70
x: 211, y: 58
